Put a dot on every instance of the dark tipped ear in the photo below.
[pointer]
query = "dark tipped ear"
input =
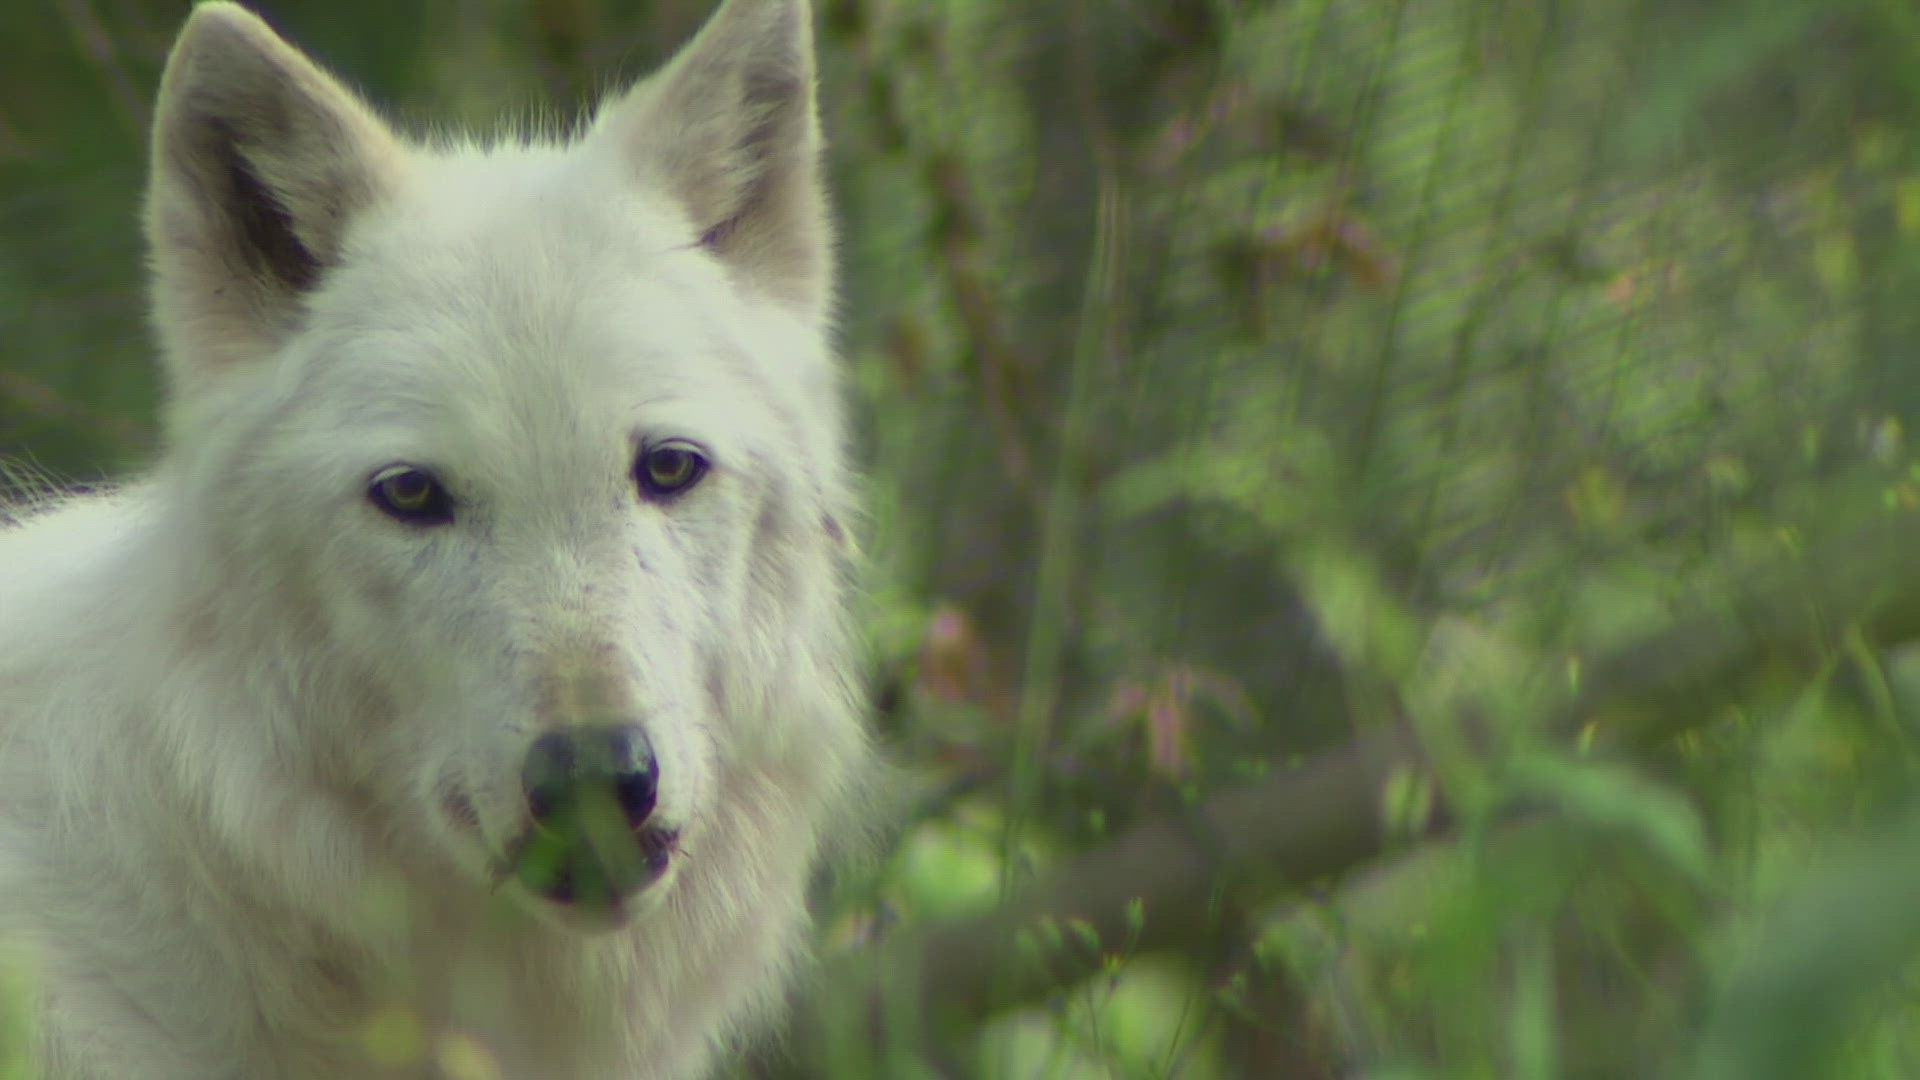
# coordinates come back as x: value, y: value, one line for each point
x: 260, y: 161
x: 729, y: 129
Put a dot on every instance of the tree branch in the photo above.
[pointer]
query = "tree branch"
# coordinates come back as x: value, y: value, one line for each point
x: 1151, y: 889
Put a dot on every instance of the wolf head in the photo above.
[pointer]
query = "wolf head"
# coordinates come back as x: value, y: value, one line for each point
x: 513, y: 471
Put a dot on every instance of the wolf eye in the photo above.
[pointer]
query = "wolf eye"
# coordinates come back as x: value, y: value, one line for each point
x: 669, y: 469
x: 412, y: 495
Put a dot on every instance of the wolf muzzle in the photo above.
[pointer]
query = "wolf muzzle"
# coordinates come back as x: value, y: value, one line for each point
x: 590, y: 795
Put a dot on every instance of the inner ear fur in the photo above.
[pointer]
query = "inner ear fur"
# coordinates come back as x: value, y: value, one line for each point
x: 729, y: 128
x: 260, y: 161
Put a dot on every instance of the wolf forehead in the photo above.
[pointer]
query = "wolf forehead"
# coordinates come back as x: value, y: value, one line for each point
x: 531, y: 247
x: 505, y: 280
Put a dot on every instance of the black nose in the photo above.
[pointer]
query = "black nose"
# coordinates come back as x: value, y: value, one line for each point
x: 566, y: 765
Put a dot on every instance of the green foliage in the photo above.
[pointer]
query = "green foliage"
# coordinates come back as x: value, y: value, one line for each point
x: 17, y: 1056
x: 1146, y: 1021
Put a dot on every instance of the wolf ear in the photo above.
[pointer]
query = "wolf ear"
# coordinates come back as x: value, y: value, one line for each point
x: 260, y: 160
x: 729, y: 129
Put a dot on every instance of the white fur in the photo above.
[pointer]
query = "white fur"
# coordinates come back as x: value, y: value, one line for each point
x: 240, y: 707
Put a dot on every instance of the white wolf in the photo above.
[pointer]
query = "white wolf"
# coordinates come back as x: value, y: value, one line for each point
x: 466, y: 692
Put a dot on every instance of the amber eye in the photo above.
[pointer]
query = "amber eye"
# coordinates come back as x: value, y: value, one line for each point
x: 669, y: 469
x: 412, y: 495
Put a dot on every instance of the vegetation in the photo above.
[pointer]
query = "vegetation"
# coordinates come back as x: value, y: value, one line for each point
x: 1391, y: 518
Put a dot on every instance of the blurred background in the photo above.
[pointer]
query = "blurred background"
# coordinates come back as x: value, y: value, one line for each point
x: 1389, y: 551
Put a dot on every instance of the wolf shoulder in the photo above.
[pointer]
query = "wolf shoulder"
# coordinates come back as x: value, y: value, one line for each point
x: 58, y: 559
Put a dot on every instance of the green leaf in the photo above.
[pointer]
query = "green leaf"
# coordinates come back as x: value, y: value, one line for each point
x: 1612, y: 796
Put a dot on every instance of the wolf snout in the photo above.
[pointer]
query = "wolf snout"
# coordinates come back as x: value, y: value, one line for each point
x: 591, y: 841
x: 564, y: 767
